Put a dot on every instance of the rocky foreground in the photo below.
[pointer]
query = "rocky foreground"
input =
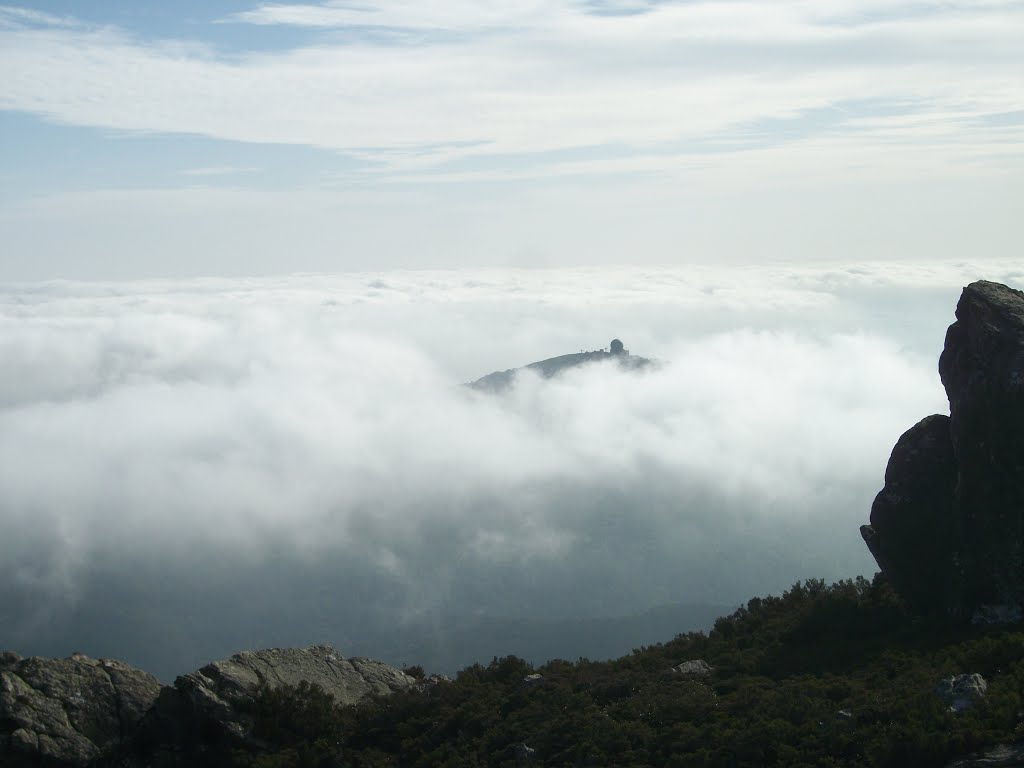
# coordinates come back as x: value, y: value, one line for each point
x: 69, y: 712
x: 824, y: 675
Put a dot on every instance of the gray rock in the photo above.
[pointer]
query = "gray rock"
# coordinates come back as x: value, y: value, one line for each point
x: 961, y: 692
x: 212, y: 701
x: 523, y: 754
x: 982, y: 369
x: 65, y: 712
x: 946, y: 527
x: 432, y: 683
x: 997, y: 614
x: 533, y: 680
x: 694, y: 668
x: 1002, y: 756
x: 223, y: 683
x: 911, y: 529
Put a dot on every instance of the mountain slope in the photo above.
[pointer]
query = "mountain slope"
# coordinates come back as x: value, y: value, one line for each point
x: 835, y: 675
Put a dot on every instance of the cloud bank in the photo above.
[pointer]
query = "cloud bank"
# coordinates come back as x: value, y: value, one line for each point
x: 192, y: 467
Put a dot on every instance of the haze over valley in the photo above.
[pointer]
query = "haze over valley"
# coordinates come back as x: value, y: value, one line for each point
x: 194, y: 467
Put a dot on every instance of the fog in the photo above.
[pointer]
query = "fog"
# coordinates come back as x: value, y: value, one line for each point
x: 192, y: 468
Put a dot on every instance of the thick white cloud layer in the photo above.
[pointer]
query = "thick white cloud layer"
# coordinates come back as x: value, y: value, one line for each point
x: 312, y: 433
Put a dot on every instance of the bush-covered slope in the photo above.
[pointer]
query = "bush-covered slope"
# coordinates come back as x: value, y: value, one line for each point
x: 834, y: 675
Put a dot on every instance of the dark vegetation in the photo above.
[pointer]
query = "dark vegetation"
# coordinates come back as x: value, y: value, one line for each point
x: 834, y: 675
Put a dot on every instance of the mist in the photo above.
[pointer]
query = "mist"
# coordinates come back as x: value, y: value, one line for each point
x: 191, y: 468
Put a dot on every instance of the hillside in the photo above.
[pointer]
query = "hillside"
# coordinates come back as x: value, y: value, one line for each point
x: 446, y: 643
x: 836, y: 675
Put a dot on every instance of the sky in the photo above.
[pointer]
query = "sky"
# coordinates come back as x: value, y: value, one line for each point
x: 226, y: 138
x: 251, y: 252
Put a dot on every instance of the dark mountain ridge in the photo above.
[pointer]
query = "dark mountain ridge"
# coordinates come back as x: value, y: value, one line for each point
x: 499, y: 381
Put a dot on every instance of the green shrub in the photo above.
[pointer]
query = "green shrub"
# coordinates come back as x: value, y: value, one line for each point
x: 784, y: 667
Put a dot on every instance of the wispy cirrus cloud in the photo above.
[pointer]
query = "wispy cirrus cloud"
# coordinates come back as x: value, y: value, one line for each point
x: 14, y: 16
x: 218, y: 170
x: 514, y: 81
x: 445, y: 133
x: 456, y: 15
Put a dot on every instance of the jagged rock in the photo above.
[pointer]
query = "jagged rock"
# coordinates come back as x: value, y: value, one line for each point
x: 209, y: 706
x: 217, y: 689
x: 523, y: 754
x: 948, y: 527
x: 433, y: 683
x: 695, y: 668
x: 533, y: 680
x: 65, y: 712
x: 1003, y: 756
x: 962, y: 691
x: 223, y: 683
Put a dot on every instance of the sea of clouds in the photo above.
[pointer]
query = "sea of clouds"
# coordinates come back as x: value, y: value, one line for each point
x: 189, y: 468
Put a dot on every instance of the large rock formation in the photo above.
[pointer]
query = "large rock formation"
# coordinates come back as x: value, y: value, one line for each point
x: 207, y: 708
x: 948, y: 527
x: 911, y: 531
x: 217, y: 690
x: 65, y: 712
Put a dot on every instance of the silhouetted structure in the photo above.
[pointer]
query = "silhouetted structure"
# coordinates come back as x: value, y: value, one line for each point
x: 501, y: 380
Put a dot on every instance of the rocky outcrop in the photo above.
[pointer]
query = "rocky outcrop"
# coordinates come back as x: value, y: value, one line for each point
x: 208, y: 707
x: 694, y: 668
x: 219, y: 687
x: 911, y: 527
x: 982, y: 369
x: 65, y: 712
x: 1003, y: 756
x: 961, y: 692
x: 948, y: 527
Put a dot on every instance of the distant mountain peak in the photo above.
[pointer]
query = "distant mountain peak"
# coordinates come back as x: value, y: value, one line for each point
x: 499, y: 381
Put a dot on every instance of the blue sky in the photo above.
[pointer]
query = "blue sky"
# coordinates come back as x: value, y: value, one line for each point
x: 152, y: 139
